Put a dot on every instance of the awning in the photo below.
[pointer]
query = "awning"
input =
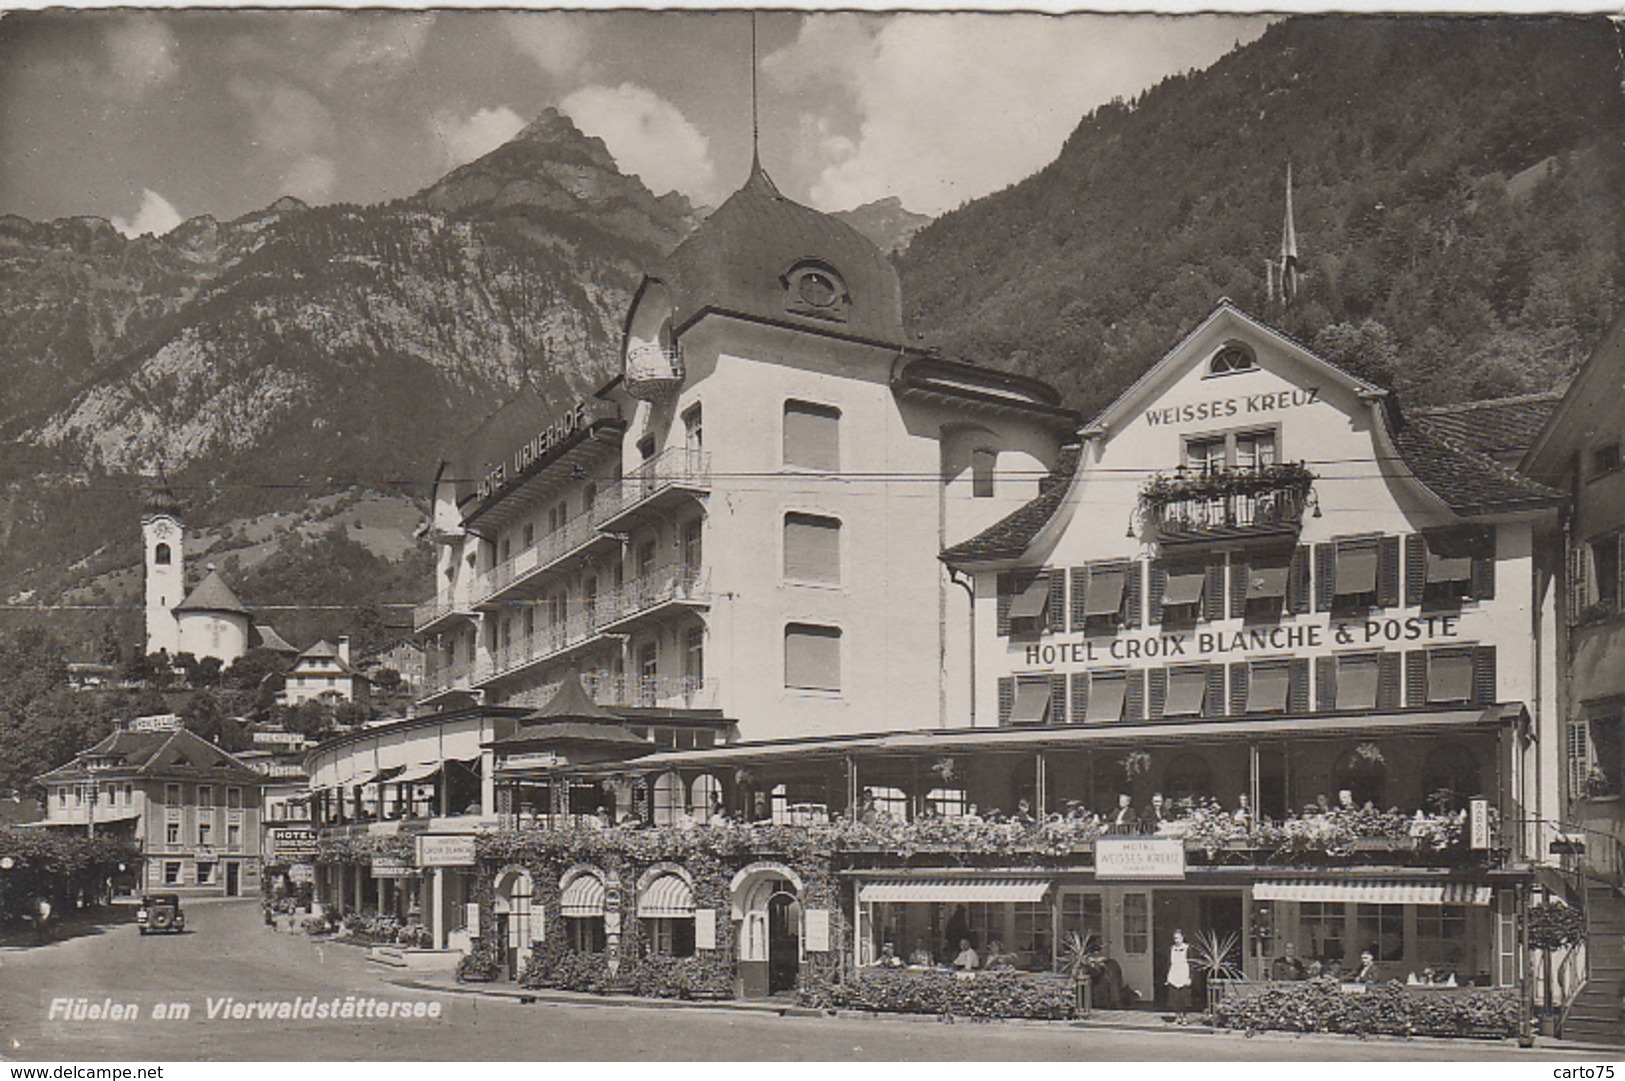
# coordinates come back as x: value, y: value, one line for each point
x: 1187, y: 687
x: 1357, y: 683
x: 1105, y: 592
x: 1443, y: 568
x: 381, y: 776
x: 1031, y: 602
x: 1184, y: 586
x: 414, y: 774
x: 1356, y: 571
x: 1267, y: 688
x: 1032, y: 702
x: 1266, y: 582
x: 667, y: 897
x: 583, y: 897
x: 1409, y: 892
x: 1106, y: 694
x: 1450, y: 676
x: 951, y: 891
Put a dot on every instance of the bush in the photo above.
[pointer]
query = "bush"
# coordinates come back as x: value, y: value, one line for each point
x: 316, y: 925
x: 479, y: 965
x: 975, y: 994
x: 1382, y: 1009
x: 554, y: 965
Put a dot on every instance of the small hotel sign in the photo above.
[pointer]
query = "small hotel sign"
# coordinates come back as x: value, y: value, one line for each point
x: 391, y: 867
x: 1140, y: 857
x: 445, y: 851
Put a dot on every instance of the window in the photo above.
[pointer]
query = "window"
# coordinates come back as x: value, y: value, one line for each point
x: 693, y: 430
x: 1031, y: 932
x: 1187, y: 691
x: 646, y: 558
x: 1107, y: 693
x: 1604, y: 459
x: 1267, y: 686
x: 1357, y: 679
x: 981, y: 473
x: 1354, y: 573
x: 693, y: 534
x: 1105, y: 594
x: 1205, y: 455
x: 234, y: 798
x: 506, y: 552
x: 161, y: 555
x: 1136, y: 923
x: 705, y: 798
x: 62, y: 797
x: 670, y: 937
x: 648, y: 669
x: 1034, y: 701
x: 205, y: 832
x: 1605, y: 571
x: 172, y: 873
x: 585, y: 934
x: 1255, y: 449
x: 1440, y: 932
x: 946, y: 802
x: 205, y: 795
x: 1231, y: 359
x: 205, y: 873
x: 129, y: 794
x: 172, y: 833
x: 812, y: 657
x: 812, y: 549
x: 1382, y: 930
x: 529, y: 534
x: 1266, y: 586
x: 812, y: 436
x: 668, y: 799
x: 1084, y: 915
x: 1189, y: 776
x: 1595, y: 758
x: 1449, y: 675
x: 589, y: 496
x: 694, y: 655
x: 1182, y: 593
x: 234, y: 835
x: 816, y: 290
x: 78, y: 796
x: 1320, y: 926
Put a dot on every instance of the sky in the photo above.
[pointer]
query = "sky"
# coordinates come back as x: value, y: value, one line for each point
x: 151, y: 117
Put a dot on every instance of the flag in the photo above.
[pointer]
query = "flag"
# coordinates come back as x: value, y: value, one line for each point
x: 1289, y: 249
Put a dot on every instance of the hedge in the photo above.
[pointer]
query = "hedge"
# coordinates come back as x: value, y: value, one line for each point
x: 998, y: 993
x: 1324, y: 1005
x: 556, y: 966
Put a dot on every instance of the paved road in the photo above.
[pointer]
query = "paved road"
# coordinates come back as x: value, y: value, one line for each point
x: 228, y: 952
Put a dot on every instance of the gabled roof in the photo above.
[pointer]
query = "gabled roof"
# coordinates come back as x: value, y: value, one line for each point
x: 1499, y: 427
x: 271, y: 640
x: 1589, y: 409
x: 212, y: 595
x: 1468, y: 482
x: 1009, y: 536
x: 175, y: 753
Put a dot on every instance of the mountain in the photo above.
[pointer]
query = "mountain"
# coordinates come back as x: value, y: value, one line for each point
x: 1457, y: 186
x: 299, y: 352
x: 886, y: 222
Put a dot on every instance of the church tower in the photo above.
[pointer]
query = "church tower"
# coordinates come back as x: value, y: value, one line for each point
x: 165, y: 567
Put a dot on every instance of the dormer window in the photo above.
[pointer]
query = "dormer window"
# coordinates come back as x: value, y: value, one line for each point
x: 1232, y: 359
x: 815, y: 289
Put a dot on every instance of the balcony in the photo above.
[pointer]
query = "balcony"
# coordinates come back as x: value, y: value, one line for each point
x: 675, y: 586
x: 534, y: 562
x: 653, y: 371
x: 432, y: 615
x: 453, y: 677
x: 542, y: 645
x: 1227, y: 503
x: 660, y: 692
x: 677, y: 471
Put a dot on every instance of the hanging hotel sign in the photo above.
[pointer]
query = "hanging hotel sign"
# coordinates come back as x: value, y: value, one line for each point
x: 1276, y: 639
x: 570, y: 422
x: 392, y: 867
x: 1140, y: 857
x: 1478, y: 824
x: 293, y: 844
x: 445, y: 851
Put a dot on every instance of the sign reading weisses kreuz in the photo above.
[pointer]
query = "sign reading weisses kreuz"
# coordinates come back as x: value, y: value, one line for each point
x: 445, y: 851
x: 1140, y: 857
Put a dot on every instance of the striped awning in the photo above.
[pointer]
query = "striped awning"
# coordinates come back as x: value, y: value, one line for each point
x: 583, y: 897
x: 666, y: 897
x: 421, y: 772
x: 1410, y: 892
x: 956, y: 891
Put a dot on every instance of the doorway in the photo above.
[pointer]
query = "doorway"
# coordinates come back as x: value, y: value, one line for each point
x: 1204, y: 917
x: 783, y: 940
x: 234, y: 871
x: 513, y: 929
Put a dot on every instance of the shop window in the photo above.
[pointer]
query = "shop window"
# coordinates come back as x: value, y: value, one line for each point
x: 670, y: 937
x: 812, y: 549
x: 812, y: 436
x: 172, y: 873
x: 585, y: 934
x: 1382, y: 930
x: 981, y: 473
x: 1321, y: 931
x: 1441, y: 929
x: 1084, y: 915
x: 1136, y: 923
x: 812, y: 657
x: 1030, y: 934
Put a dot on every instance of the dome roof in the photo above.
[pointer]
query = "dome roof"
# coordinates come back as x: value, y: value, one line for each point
x: 746, y: 257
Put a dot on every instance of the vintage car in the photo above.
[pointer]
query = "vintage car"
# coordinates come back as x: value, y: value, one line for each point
x: 160, y: 912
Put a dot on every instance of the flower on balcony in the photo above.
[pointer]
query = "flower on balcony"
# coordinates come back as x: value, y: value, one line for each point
x: 1370, y: 752
x: 1135, y: 763
x: 944, y: 769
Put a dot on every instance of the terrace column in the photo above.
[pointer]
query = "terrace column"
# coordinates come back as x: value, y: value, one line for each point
x: 852, y: 788
x: 1041, y: 783
x: 1252, y: 779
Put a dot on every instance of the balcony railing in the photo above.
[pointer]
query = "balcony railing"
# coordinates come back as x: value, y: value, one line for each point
x: 539, y: 645
x: 665, y: 692
x: 678, y: 468
x: 1227, y: 502
x: 453, y: 677
x: 653, y: 371
x: 432, y: 611
x: 575, y: 534
x: 672, y: 584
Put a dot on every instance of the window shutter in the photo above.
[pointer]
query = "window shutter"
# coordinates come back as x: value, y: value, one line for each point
x: 1007, y: 698
x: 1213, y: 701
x: 1080, y: 697
x: 1484, y: 675
x: 1416, y: 568
x: 1297, y: 685
x: 1325, y: 683
x: 1156, y: 693
x: 812, y: 548
x: 1080, y: 597
x: 1131, y: 605
x: 1057, y: 599
x: 812, y: 436
x: 1484, y: 567
x: 1297, y: 582
x: 1239, y: 574
x: 1325, y: 576
x: 1158, y: 582
x: 1388, y: 681
x: 1006, y: 590
x: 1388, y: 572
x: 1416, y: 677
x: 1238, y: 688
x: 1057, y: 698
x: 1213, y: 591
x: 1134, y: 705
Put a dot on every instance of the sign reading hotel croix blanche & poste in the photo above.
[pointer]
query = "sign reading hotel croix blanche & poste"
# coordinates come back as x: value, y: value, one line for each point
x: 1302, y: 634
x: 1140, y: 857
x: 445, y: 851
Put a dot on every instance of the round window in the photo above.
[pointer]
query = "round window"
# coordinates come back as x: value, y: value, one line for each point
x: 817, y: 289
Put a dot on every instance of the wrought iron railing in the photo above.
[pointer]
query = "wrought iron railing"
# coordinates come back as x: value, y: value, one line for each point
x: 1227, y: 501
x: 677, y: 467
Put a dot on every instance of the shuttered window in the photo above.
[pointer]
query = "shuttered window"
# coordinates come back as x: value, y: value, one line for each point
x: 1357, y: 678
x: 1108, y: 691
x: 1579, y: 756
x: 1267, y: 685
x: 1450, y: 675
x: 1187, y: 689
x: 812, y: 549
x: 812, y: 436
x: 1033, y: 701
x: 812, y: 657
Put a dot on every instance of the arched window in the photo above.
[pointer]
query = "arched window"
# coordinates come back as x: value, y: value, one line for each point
x: 581, y: 903
x: 160, y: 555
x: 816, y: 289
x: 1450, y: 777
x: 666, y: 907
x: 1364, y: 773
x: 668, y: 805
x: 1187, y: 777
x: 1232, y: 358
x: 705, y: 798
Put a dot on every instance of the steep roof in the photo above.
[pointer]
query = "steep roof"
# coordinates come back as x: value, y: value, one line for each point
x: 1469, y: 482
x: 572, y: 702
x: 1009, y: 536
x: 736, y: 261
x: 212, y: 595
x: 1503, y: 428
x: 271, y: 640
x: 174, y: 753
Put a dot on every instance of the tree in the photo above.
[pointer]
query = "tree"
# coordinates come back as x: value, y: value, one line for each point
x: 112, y: 650
x: 1554, y: 926
x: 205, y: 714
x: 1366, y: 350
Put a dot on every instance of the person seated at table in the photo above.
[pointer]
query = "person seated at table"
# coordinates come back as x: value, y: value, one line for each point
x: 921, y: 957
x: 1024, y: 811
x: 967, y: 961
x: 1160, y: 811
x: 996, y: 957
x: 971, y: 816
x: 1287, y: 966
x: 1244, y: 810
x: 1313, y: 970
x: 1124, y: 819
x: 1367, y: 972
x: 888, y: 957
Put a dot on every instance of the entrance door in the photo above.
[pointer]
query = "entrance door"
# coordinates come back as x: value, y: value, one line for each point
x: 234, y: 872
x: 513, y: 896
x: 783, y: 942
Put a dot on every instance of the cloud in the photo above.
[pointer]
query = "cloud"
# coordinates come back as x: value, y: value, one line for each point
x: 140, y: 53
x: 464, y: 140
x: 383, y: 42
x: 310, y: 179
x: 951, y: 107
x: 558, y: 43
x: 156, y: 215
x: 648, y: 136
x: 283, y: 118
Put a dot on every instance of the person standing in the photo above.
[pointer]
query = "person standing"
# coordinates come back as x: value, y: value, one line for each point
x: 1179, y: 978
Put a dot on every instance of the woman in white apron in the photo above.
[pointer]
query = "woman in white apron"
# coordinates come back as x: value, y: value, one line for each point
x: 1179, y: 978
